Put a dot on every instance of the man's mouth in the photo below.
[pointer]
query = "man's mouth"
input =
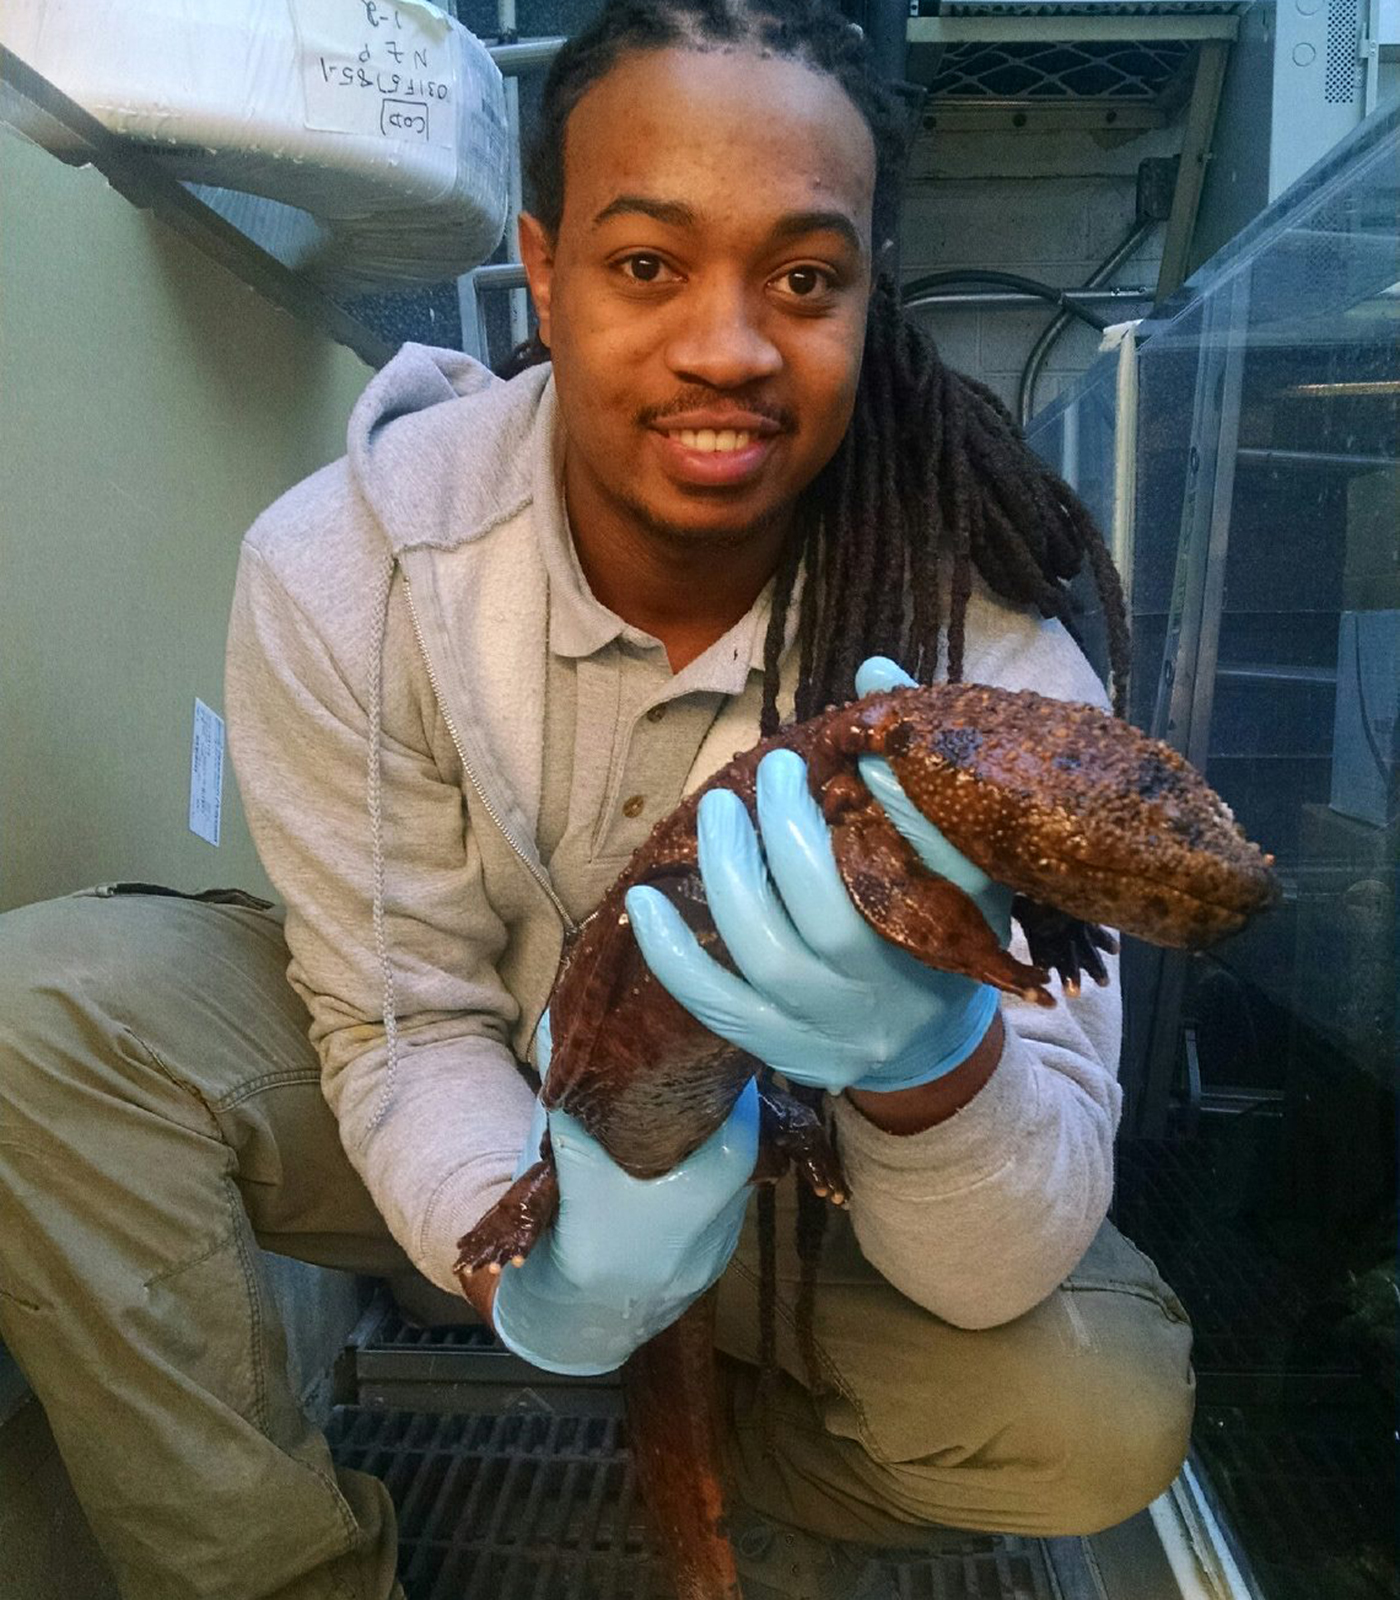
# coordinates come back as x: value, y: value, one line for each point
x: 722, y: 440
x: 714, y: 457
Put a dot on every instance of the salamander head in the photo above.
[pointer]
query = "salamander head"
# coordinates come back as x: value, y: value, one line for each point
x: 1076, y: 808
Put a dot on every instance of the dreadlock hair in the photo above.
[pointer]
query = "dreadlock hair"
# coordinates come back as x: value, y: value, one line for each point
x: 932, y: 481
x: 933, y: 478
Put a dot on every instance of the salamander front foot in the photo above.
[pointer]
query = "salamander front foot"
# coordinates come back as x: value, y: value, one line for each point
x: 512, y: 1227
x: 791, y: 1132
x: 1062, y: 943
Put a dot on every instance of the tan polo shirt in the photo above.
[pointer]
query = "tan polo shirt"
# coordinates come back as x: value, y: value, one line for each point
x: 621, y: 730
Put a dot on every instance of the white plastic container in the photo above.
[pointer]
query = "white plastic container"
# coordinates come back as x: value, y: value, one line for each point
x: 384, y: 119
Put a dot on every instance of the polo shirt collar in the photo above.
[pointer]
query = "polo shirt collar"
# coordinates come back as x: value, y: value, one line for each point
x: 580, y: 625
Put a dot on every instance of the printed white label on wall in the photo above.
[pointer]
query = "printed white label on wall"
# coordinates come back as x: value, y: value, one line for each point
x: 206, y: 773
x: 382, y: 68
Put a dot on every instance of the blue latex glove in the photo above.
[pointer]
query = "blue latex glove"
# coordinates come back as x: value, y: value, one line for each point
x: 625, y: 1256
x: 823, y: 998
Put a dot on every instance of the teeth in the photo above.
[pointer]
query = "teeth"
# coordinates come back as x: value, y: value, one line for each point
x: 707, y: 439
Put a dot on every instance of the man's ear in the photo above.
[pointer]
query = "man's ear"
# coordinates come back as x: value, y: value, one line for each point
x: 537, y: 255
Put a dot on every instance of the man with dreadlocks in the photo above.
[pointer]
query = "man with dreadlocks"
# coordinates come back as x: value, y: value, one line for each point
x: 469, y: 666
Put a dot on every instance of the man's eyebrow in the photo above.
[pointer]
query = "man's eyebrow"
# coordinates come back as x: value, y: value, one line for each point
x: 798, y: 223
x: 675, y: 213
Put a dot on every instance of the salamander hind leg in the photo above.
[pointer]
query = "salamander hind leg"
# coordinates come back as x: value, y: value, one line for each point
x: 920, y: 912
x: 790, y: 1132
x: 512, y: 1227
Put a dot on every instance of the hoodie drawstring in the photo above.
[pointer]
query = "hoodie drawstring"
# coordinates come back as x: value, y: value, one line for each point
x: 376, y: 823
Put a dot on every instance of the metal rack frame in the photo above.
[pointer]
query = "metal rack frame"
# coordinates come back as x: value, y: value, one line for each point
x: 1214, y: 30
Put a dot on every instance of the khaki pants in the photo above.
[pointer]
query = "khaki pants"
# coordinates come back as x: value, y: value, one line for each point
x: 160, y: 1112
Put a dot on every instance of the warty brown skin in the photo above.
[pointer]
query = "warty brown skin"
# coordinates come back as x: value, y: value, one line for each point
x: 1069, y: 807
x: 1086, y: 819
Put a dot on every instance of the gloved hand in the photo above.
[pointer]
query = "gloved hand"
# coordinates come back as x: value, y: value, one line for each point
x: 625, y: 1256
x: 823, y: 998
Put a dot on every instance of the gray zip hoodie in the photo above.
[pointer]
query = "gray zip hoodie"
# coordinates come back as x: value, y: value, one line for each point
x: 385, y: 697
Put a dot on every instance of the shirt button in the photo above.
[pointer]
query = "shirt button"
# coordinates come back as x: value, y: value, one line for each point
x: 633, y: 807
x: 656, y: 713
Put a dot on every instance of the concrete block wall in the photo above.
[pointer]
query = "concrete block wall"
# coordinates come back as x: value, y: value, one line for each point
x: 1045, y: 205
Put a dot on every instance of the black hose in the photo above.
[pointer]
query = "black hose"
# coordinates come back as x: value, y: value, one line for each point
x: 1005, y: 280
x: 1040, y: 351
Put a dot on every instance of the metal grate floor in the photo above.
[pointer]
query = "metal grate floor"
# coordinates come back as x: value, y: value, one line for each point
x: 509, y: 1488
x: 528, y: 1506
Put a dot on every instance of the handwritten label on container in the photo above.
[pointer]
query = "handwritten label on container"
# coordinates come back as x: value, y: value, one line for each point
x: 382, y: 68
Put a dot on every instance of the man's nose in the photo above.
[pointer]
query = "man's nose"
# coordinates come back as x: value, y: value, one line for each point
x: 720, y: 338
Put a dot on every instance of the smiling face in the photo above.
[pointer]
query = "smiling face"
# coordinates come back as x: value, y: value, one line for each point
x: 704, y: 297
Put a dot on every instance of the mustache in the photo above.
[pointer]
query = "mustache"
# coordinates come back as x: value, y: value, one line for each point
x: 706, y: 399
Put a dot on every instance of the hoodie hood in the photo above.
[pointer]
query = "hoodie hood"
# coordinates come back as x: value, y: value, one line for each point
x: 414, y: 449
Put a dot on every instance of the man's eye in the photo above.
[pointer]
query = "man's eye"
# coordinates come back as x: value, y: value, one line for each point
x: 805, y: 283
x: 643, y: 269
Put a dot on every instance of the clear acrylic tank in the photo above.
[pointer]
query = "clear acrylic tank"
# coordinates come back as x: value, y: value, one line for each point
x: 1252, y: 489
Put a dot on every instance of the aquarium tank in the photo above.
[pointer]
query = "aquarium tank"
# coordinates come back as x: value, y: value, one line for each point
x: 1240, y: 451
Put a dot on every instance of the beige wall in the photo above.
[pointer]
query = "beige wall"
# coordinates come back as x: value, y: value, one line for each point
x: 150, y: 406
